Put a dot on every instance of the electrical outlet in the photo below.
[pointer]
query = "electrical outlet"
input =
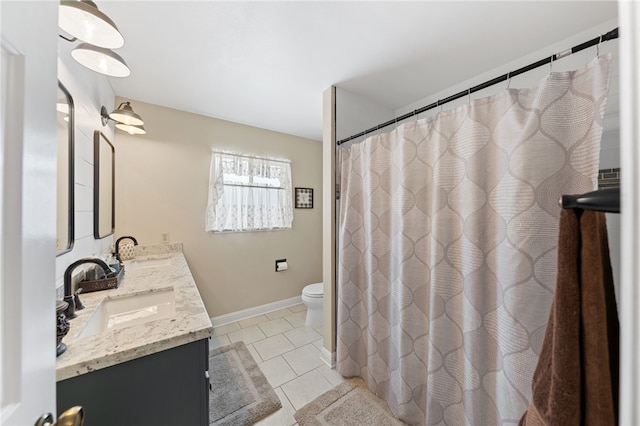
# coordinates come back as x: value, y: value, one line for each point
x: 164, y: 238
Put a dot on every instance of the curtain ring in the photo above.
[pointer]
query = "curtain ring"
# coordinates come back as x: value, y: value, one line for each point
x: 598, y: 45
x: 469, y: 95
x: 508, y: 79
x: 551, y: 63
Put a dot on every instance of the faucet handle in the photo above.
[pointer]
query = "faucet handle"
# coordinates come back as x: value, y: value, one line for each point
x: 70, y: 312
x: 76, y: 299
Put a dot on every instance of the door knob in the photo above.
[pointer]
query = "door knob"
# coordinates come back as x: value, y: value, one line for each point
x: 44, y: 420
x: 74, y: 416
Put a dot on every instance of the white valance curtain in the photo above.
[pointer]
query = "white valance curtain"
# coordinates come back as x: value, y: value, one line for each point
x: 448, y: 239
x: 248, y: 193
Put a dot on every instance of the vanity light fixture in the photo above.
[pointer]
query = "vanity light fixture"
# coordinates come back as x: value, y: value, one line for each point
x: 101, y: 60
x: 126, y: 119
x: 83, y: 20
x: 125, y: 115
x: 132, y: 129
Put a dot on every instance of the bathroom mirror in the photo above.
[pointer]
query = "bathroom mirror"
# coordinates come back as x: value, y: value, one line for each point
x: 65, y: 177
x: 104, y: 163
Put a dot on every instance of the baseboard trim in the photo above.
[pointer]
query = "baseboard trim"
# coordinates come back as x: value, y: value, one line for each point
x: 255, y: 311
x: 328, y: 358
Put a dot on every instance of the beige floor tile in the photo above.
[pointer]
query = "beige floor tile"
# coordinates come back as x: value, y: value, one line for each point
x: 218, y: 341
x: 318, y: 344
x: 277, y: 371
x: 282, y: 417
x: 297, y: 308
x: 330, y: 374
x: 297, y: 319
x: 301, y: 336
x: 227, y: 328
x: 254, y: 353
x: 245, y: 323
x: 273, y: 346
x: 303, y: 359
x: 279, y: 313
x: 247, y: 335
x: 306, y: 388
x: 276, y: 326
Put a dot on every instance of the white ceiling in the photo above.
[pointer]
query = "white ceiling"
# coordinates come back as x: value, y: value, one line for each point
x: 266, y: 64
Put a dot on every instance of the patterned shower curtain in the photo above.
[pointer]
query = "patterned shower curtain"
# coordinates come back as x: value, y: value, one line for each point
x: 447, y: 255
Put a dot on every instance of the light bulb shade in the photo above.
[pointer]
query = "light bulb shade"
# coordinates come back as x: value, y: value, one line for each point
x: 125, y: 115
x: 83, y: 20
x: 132, y: 129
x: 101, y: 60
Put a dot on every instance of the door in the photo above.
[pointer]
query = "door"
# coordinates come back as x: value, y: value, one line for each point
x: 28, y: 84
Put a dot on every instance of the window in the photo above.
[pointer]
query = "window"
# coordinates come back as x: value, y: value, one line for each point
x: 248, y: 193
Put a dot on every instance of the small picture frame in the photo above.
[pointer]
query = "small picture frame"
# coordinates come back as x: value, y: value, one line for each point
x: 304, y: 198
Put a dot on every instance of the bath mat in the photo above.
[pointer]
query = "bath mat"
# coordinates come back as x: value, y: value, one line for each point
x: 240, y: 394
x: 349, y: 403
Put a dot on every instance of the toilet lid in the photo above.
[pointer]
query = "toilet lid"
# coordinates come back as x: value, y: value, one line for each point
x: 313, y: 290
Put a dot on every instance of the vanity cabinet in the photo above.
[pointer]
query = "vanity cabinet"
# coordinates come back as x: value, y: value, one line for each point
x: 170, y: 387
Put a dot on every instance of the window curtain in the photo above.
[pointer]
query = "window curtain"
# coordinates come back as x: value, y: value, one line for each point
x: 448, y: 246
x: 248, y: 194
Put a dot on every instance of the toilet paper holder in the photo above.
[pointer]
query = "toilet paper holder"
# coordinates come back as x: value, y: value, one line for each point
x: 281, y: 265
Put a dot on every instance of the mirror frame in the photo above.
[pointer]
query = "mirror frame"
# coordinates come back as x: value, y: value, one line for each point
x: 71, y: 173
x: 99, y: 137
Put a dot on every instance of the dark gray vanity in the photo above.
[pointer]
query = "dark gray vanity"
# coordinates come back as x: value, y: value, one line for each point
x: 167, y: 388
x: 138, y: 354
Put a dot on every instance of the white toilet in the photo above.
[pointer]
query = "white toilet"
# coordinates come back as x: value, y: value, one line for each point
x: 312, y: 298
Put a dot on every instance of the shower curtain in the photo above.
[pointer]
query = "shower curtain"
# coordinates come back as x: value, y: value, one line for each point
x: 447, y: 253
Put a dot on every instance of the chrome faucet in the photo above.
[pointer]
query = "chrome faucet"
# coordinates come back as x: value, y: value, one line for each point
x: 72, y: 299
x: 117, y: 246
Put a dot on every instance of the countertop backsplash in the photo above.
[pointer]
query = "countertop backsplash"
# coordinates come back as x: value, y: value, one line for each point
x: 141, y: 250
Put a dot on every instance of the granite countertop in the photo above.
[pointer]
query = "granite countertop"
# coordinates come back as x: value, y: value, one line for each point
x: 190, y: 323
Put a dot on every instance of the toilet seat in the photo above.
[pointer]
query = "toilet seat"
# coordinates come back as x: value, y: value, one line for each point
x: 313, y: 290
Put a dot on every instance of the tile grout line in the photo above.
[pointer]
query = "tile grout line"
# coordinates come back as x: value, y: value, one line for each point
x: 288, y: 400
x: 313, y: 348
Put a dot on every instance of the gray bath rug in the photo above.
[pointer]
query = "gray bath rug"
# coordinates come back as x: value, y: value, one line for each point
x: 348, y: 404
x: 240, y: 394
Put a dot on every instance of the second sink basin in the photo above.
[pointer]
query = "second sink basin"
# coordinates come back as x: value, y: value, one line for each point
x: 132, y: 309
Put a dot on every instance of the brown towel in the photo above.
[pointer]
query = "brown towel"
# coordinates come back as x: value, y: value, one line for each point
x: 576, y: 379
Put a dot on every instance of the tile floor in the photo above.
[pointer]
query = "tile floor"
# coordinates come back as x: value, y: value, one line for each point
x: 288, y: 354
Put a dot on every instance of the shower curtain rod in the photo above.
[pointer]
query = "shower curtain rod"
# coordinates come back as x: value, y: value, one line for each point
x: 613, y: 34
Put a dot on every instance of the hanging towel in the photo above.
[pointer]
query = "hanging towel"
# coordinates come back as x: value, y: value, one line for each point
x: 576, y: 379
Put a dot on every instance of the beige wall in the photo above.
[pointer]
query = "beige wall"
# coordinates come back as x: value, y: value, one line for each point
x: 161, y: 186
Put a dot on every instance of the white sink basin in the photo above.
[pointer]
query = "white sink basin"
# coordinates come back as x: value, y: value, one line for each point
x: 132, y: 309
x: 149, y: 262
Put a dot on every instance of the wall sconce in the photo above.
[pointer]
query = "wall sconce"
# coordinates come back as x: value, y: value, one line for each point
x: 132, y: 129
x: 101, y: 60
x: 126, y: 119
x: 82, y: 20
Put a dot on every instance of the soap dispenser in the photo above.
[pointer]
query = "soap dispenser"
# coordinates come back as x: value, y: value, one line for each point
x: 113, y: 263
